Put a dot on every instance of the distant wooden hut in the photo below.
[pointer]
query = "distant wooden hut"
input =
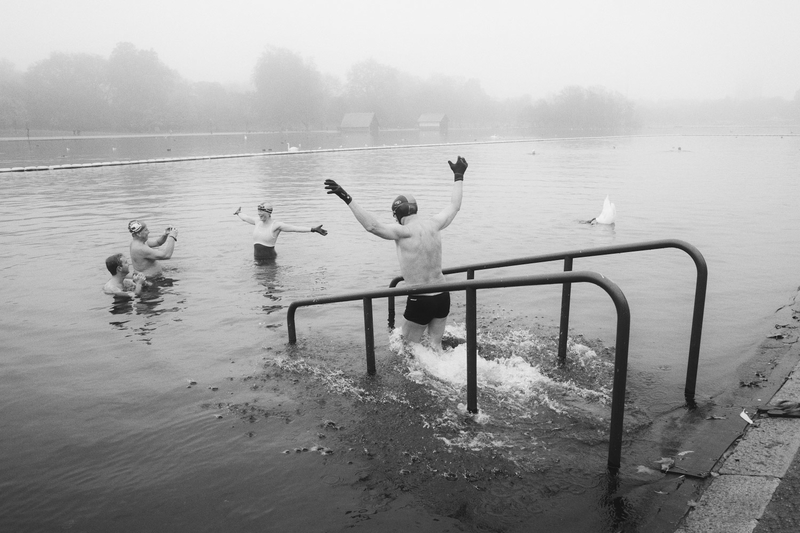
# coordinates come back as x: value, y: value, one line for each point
x: 359, y: 123
x: 433, y: 122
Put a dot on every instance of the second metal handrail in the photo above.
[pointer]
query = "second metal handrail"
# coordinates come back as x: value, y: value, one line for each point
x: 567, y: 257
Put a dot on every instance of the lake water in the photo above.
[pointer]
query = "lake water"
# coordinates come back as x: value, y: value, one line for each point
x: 173, y: 412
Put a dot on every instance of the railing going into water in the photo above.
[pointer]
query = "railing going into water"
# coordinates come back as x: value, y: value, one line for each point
x: 471, y: 287
x: 567, y: 257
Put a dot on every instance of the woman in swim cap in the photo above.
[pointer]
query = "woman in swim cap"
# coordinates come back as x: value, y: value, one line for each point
x: 267, y: 229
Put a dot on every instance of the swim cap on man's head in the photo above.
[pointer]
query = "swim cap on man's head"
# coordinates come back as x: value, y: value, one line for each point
x: 134, y: 226
x: 404, y: 205
x: 265, y: 207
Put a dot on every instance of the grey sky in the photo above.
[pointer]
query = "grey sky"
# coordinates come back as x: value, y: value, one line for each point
x: 643, y: 49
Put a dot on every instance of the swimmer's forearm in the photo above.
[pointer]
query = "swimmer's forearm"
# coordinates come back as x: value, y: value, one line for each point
x: 158, y: 241
x: 457, y: 195
x: 245, y: 218
x: 295, y: 229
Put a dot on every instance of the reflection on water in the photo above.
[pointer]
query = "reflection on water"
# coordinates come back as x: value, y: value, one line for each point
x: 266, y: 272
x: 148, y: 305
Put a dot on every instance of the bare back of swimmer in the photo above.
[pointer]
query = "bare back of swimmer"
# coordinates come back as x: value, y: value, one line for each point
x: 418, y: 243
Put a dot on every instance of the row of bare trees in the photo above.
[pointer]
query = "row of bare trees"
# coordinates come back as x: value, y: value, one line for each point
x: 133, y: 91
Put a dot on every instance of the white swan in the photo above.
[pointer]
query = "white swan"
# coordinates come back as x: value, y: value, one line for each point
x: 290, y: 148
x: 608, y: 215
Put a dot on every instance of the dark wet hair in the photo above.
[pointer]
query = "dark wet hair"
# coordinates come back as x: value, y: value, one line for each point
x: 113, y: 263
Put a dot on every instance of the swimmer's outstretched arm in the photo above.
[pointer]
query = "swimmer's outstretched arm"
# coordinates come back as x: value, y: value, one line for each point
x: 280, y: 226
x: 446, y: 216
x: 365, y: 218
x: 246, y: 218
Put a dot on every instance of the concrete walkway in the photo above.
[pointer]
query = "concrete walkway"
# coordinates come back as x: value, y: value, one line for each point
x: 757, y: 488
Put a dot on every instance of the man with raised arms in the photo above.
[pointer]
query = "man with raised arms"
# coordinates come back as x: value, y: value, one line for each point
x: 146, y: 252
x: 418, y: 243
x: 267, y: 229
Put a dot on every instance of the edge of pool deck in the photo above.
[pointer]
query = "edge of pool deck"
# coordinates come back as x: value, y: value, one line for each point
x: 743, y: 487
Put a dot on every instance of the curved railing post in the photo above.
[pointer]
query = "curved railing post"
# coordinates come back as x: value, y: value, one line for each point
x: 697, y: 326
x: 290, y: 322
x: 472, y: 351
x: 393, y: 284
x: 369, y: 336
x: 620, y: 381
x: 563, y: 329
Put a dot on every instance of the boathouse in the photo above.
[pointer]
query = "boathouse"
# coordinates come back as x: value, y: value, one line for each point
x: 433, y: 122
x: 359, y: 123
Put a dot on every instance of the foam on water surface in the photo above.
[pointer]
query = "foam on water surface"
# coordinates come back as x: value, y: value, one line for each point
x: 522, y: 390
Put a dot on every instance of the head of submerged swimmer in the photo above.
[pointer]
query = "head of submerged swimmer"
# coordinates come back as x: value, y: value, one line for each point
x: 265, y: 209
x: 403, y: 206
x: 138, y: 229
x: 115, y: 262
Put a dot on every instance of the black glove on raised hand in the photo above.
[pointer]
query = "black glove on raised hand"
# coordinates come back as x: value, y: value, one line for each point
x: 334, y: 188
x: 458, y: 168
x: 318, y: 229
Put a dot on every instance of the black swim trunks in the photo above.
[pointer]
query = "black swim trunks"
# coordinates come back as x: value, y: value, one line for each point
x: 261, y: 252
x: 422, y: 308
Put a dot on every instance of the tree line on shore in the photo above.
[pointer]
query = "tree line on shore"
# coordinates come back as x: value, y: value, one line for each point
x: 133, y: 91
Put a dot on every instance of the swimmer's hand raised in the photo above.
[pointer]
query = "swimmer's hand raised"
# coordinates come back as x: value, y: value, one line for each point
x: 239, y: 210
x: 318, y: 229
x: 458, y: 168
x: 334, y: 188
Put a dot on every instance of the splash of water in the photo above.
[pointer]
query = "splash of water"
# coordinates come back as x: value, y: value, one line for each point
x: 511, y: 365
x: 523, y: 391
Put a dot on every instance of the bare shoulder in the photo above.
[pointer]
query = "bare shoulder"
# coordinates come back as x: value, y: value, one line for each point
x: 112, y: 288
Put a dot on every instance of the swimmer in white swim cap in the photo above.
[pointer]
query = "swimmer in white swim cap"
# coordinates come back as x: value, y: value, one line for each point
x: 267, y: 230
x: 146, y: 252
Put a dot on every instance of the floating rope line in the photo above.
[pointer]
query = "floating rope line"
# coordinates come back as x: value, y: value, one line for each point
x: 256, y: 154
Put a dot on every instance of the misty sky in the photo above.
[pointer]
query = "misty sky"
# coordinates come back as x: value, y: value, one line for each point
x: 643, y: 49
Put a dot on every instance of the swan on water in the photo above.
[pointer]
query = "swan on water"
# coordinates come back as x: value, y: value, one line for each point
x: 290, y: 148
x: 608, y: 215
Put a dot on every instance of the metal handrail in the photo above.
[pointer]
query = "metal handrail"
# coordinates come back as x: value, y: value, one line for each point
x: 567, y: 257
x: 471, y: 287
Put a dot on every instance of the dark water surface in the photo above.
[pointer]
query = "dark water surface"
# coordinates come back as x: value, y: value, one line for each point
x: 173, y: 412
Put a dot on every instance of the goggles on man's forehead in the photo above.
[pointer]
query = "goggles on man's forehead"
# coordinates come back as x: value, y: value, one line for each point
x: 134, y: 226
x: 265, y: 208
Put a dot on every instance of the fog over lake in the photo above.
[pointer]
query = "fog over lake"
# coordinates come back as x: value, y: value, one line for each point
x: 651, y: 50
